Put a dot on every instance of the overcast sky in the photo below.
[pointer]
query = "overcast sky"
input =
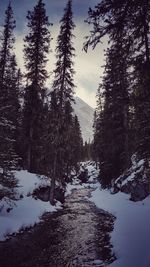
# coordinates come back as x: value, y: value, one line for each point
x: 87, y: 65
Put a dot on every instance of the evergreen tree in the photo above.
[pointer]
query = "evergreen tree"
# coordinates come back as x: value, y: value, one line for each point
x: 13, y: 98
x: 141, y: 95
x: 112, y: 17
x: 7, y: 42
x: 87, y: 155
x: 63, y: 88
x: 129, y: 39
x: 32, y: 112
x: 9, y: 106
x: 98, y: 145
x: 115, y: 115
x: 74, y: 141
x: 77, y: 150
x: 19, y: 106
x: 37, y: 43
x: 47, y: 147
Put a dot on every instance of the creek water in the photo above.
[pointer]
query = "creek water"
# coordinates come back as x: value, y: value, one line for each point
x: 76, y: 236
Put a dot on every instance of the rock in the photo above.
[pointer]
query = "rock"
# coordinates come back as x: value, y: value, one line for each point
x: 83, y: 176
x: 43, y: 193
x: 135, y: 181
x: 60, y: 194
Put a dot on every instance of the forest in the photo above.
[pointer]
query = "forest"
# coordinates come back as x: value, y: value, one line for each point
x: 39, y: 131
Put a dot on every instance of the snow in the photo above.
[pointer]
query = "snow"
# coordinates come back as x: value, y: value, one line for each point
x: 85, y: 115
x: 29, y: 181
x: 26, y: 211
x: 129, y: 178
x: 131, y: 234
x: 76, y: 183
x: 137, y: 167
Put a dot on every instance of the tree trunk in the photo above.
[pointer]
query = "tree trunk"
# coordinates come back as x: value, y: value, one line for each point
x: 126, y: 144
x: 52, y: 188
x: 29, y: 150
x: 52, y: 191
x: 146, y: 31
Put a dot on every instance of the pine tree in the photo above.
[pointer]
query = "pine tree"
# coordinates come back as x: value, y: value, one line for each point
x: 63, y: 80
x: 111, y: 136
x: 141, y: 109
x: 36, y: 49
x: 37, y: 45
x: 9, y: 106
x: 74, y: 141
x: 98, y: 145
x: 87, y: 151
x: 19, y: 106
x: 7, y: 42
x: 77, y: 150
x: 63, y: 88
x: 46, y: 147
x: 112, y: 17
x: 13, y: 98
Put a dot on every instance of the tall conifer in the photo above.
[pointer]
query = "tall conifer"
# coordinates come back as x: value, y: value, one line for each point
x: 37, y: 43
x: 9, y: 105
x: 63, y: 89
x: 113, y: 19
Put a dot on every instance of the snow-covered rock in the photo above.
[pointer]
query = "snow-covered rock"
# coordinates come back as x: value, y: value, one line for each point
x: 135, y: 181
x: 43, y: 193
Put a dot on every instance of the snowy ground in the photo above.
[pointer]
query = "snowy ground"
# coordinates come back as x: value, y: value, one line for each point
x: 27, y: 210
x: 131, y: 235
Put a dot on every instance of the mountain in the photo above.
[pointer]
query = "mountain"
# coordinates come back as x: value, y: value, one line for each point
x: 85, y: 115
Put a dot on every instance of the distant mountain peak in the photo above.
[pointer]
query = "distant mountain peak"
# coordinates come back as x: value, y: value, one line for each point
x: 81, y: 102
x: 85, y: 115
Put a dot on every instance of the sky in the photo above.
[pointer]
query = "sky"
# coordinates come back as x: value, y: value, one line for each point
x: 88, y: 66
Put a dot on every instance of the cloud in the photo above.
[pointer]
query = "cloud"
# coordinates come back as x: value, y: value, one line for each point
x: 54, y: 9
x: 87, y: 65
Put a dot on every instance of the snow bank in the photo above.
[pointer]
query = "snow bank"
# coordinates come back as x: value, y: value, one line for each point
x: 26, y: 211
x: 131, y: 235
x: 29, y: 181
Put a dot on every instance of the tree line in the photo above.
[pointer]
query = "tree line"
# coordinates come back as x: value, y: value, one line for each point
x: 122, y: 116
x: 38, y: 129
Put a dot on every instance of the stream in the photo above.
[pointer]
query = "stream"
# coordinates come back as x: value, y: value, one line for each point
x: 76, y: 236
